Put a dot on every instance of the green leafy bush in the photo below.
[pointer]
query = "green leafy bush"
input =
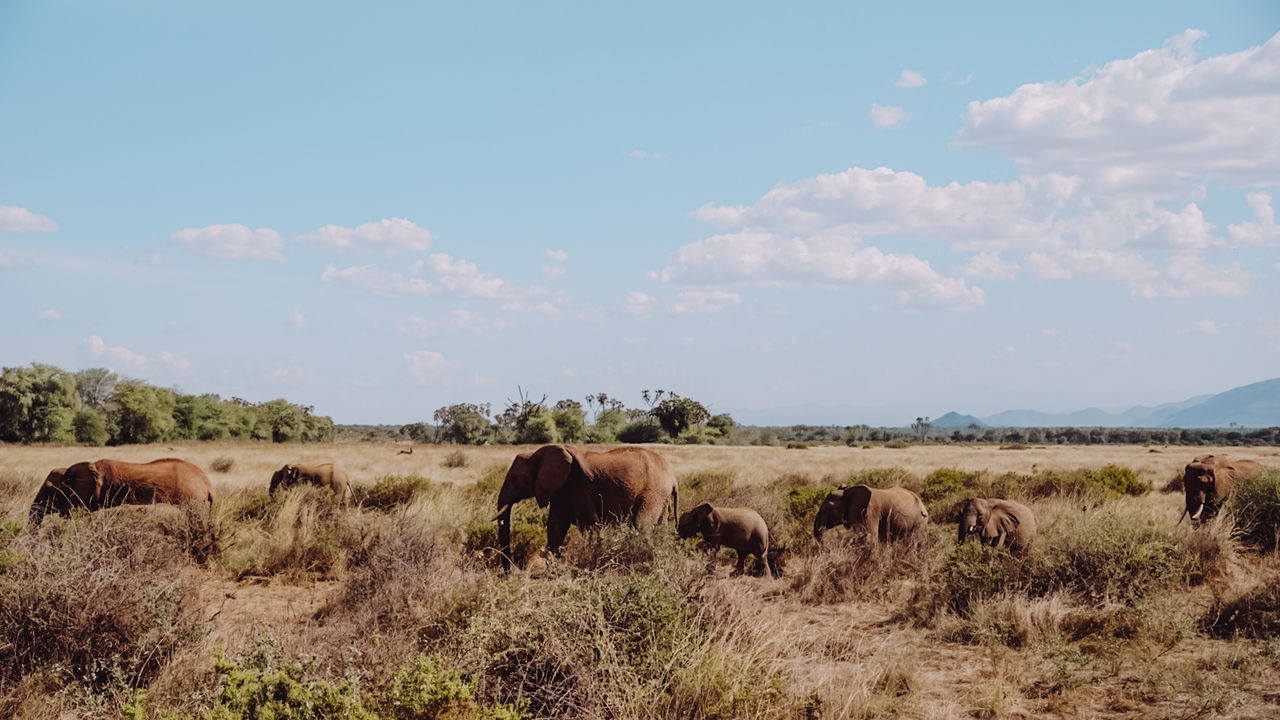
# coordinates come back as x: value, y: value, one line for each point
x: 644, y: 431
x: 391, y: 491
x: 704, y: 486
x: 947, y: 481
x: 1255, y: 508
x: 528, y: 536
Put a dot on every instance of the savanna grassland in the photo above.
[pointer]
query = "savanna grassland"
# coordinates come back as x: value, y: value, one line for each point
x: 395, y: 608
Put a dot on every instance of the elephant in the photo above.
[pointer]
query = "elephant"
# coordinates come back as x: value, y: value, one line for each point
x: 585, y: 488
x: 326, y: 475
x: 883, y: 514
x: 1208, y: 480
x: 998, y: 523
x: 107, y: 483
x: 739, y: 528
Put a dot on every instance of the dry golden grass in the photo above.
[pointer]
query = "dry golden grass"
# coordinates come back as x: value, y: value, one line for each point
x: 397, y: 582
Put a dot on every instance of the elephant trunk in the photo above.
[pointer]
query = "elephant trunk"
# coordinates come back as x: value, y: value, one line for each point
x: 504, y: 535
x: 818, y: 527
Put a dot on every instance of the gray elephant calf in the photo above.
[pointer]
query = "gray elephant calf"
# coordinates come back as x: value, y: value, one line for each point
x: 739, y: 528
x: 998, y: 523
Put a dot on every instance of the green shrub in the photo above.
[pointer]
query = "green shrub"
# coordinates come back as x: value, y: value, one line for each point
x: 947, y: 481
x: 1119, y: 480
x: 428, y: 689
x: 1108, y: 482
x: 91, y: 427
x: 700, y: 435
x: 1255, y: 508
x: 391, y: 491
x: 528, y: 536
x: 644, y: 431
x: 885, y: 477
x: 704, y: 486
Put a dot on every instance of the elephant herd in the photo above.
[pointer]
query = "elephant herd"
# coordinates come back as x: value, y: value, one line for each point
x: 632, y: 485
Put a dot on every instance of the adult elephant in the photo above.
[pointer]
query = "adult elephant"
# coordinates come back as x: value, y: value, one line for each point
x: 107, y: 483
x: 325, y: 475
x: 883, y: 514
x: 585, y: 488
x: 998, y: 523
x: 1208, y: 480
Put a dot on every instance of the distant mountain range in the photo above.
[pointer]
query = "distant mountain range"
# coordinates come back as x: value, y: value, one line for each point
x: 1254, y: 405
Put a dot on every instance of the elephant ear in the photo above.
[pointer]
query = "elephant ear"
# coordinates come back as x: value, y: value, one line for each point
x: 85, y: 481
x: 1003, y: 521
x: 555, y: 466
x: 710, y: 523
x: 856, y: 500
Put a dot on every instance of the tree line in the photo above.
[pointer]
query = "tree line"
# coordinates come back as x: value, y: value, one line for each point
x: 43, y: 403
x: 669, y: 417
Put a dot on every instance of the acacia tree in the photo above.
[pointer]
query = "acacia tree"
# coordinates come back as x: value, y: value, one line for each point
x: 921, y: 427
x: 674, y: 413
x: 464, y: 423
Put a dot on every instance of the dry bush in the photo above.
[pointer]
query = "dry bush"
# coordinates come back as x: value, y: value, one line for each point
x: 1253, y: 613
x: 96, y: 603
x: 302, y: 536
x: 1255, y: 508
x: 222, y: 464
x: 842, y: 570
x: 391, y: 492
x: 455, y: 459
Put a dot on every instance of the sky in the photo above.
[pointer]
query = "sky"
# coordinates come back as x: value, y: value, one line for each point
x: 818, y: 212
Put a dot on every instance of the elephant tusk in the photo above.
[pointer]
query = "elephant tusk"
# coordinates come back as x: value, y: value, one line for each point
x: 1184, y: 514
x: 501, y: 511
x: 1198, y: 513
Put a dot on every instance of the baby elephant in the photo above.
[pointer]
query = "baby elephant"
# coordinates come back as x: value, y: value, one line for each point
x: 739, y: 528
x: 998, y: 523
x: 326, y: 475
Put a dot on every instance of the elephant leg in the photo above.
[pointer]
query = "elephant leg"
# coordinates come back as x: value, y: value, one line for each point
x: 647, y: 512
x: 559, y: 518
x: 742, y: 563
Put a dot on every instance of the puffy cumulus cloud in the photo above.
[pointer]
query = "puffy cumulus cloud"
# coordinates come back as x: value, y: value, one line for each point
x: 640, y: 304
x: 49, y: 315
x: 557, y: 256
x: 424, y: 365
x: 391, y: 236
x: 555, y: 268
x: 1207, y: 326
x: 888, y: 116
x: 1264, y: 231
x: 19, y: 219
x: 375, y: 280
x: 466, y: 280
x: 911, y: 79
x: 231, y: 242
x: 989, y: 266
x: 858, y: 201
x: 758, y: 258
x: 1148, y: 124
x: 116, y: 353
x: 702, y: 301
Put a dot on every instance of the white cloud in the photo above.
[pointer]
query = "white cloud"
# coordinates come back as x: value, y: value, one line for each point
x: 20, y: 219
x: 888, y: 116
x: 1265, y: 230
x: 424, y: 364
x: 557, y: 256
x: 463, y: 320
x: 552, y: 271
x: 231, y: 242
x: 391, y: 236
x: 377, y: 281
x: 643, y: 154
x: 116, y: 353
x: 989, y: 266
x: 49, y: 315
x: 175, y: 361
x: 298, y: 321
x: 1154, y: 123
x: 910, y: 79
x: 291, y: 372
x: 152, y: 258
x: 1008, y: 352
x: 467, y: 280
x: 702, y: 301
x: 754, y: 258
x: 640, y: 304
x: 1207, y: 326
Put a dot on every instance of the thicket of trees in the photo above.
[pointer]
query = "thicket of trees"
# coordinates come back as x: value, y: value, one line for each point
x: 669, y: 418
x: 43, y: 403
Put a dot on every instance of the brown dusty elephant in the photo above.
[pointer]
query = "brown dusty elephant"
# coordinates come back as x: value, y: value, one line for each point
x: 998, y: 523
x: 739, y: 528
x: 883, y: 514
x: 106, y: 483
x: 1208, y: 480
x: 326, y: 475
x: 585, y: 488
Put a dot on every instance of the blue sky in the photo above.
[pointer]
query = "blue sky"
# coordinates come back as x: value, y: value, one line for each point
x: 783, y: 212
